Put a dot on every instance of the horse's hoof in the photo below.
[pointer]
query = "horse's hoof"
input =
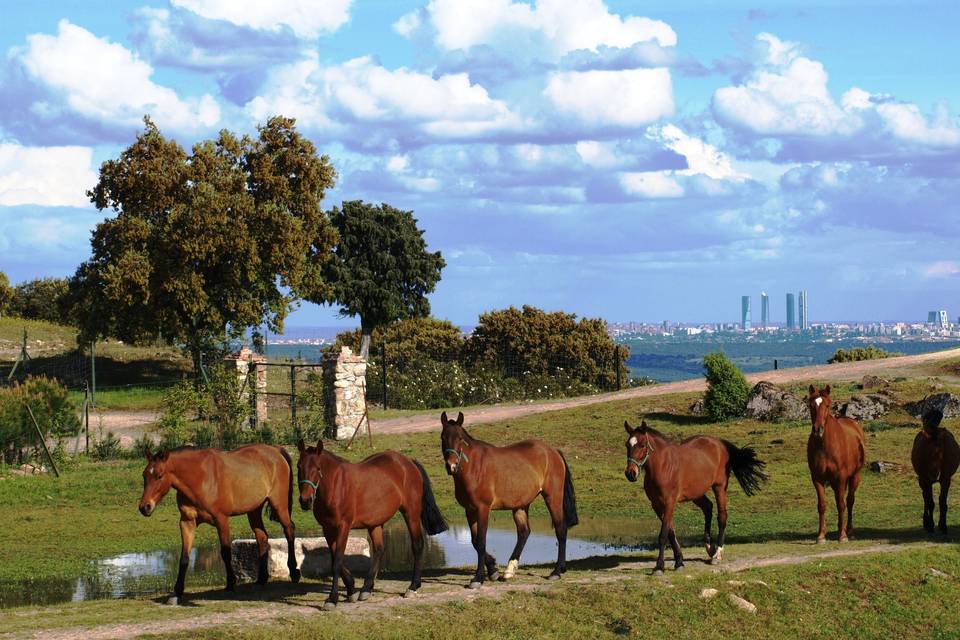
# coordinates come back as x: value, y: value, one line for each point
x: 494, y: 576
x: 474, y: 585
x: 842, y: 539
x: 657, y: 572
x: 173, y: 600
x: 295, y: 576
x: 717, y: 556
x: 553, y: 576
x: 821, y: 541
x: 364, y: 595
x: 329, y: 606
x: 409, y: 593
x: 354, y: 597
x: 678, y: 567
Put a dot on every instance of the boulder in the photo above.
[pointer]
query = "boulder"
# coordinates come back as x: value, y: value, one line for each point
x: 874, y: 382
x: 313, y: 557
x: 697, y: 408
x: 884, y: 466
x: 948, y: 403
x: 767, y: 401
x: 868, y: 406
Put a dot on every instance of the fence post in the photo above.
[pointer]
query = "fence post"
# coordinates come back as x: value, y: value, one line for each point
x: 383, y: 373
x: 293, y: 396
x: 86, y: 420
x: 93, y: 373
x: 616, y: 364
x: 252, y: 372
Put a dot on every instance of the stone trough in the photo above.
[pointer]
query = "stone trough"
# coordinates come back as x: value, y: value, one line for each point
x: 313, y: 557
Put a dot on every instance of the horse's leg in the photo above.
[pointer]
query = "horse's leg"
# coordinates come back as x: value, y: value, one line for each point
x: 478, y: 528
x: 523, y: 532
x: 707, y: 507
x: 223, y: 530
x: 554, y: 502
x: 263, y: 543
x: 666, y: 521
x: 944, y: 490
x: 418, y: 543
x: 840, y: 493
x: 720, y: 494
x: 282, y: 511
x: 677, y: 553
x: 337, y: 541
x: 852, y: 487
x: 187, y: 530
x: 376, y: 555
x: 926, y: 488
x: 821, y: 511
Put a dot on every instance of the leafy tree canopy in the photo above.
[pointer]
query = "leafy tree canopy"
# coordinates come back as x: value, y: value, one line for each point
x: 412, y: 339
x: 205, y: 244
x: 6, y: 293
x: 40, y: 299
x: 381, y: 269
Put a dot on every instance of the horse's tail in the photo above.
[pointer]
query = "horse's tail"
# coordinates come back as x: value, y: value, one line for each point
x: 430, y: 516
x: 746, y: 466
x: 273, y: 513
x: 569, y: 497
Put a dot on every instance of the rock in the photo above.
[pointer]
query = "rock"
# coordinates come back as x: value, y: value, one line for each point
x: 948, y: 403
x: 883, y: 466
x: 767, y: 401
x: 866, y: 407
x: 28, y: 469
x: 708, y: 593
x: 874, y: 382
x: 740, y: 603
x: 938, y: 574
x: 313, y: 557
x: 697, y: 408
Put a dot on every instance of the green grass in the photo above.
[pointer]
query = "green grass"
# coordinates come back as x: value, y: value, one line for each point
x: 133, y: 398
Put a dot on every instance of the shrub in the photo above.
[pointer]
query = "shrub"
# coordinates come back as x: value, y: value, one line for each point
x: 727, y: 388
x: 861, y: 353
x: 40, y: 299
x: 55, y: 414
x: 181, y: 402
x: 106, y: 447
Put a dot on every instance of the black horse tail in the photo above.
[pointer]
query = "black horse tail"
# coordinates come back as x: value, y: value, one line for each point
x: 569, y: 497
x: 273, y: 513
x: 430, y: 516
x: 746, y: 467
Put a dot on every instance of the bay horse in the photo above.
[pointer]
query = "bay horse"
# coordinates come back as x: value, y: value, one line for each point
x: 214, y: 485
x: 678, y: 472
x: 835, y: 455
x: 365, y: 495
x: 487, y: 477
x: 935, y: 457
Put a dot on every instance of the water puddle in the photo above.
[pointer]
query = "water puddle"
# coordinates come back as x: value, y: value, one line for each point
x: 153, y: 573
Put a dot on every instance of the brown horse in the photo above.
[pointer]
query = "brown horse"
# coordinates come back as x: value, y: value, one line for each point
x: 678, y: 472
x: 835, y: 456
x: 365, y: 495
x: 213, y: 485
x: 935, y: 457
x: 488, y: 477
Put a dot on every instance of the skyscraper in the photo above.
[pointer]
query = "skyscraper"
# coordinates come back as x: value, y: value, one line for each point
x: 939, y: 319
x: 804, y: 318
x: 764, y: 309
x: 791, y: 316
x: 745, y: 313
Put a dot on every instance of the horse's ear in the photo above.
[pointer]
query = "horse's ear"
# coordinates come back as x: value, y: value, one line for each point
x: 147, y: 454
x: 812, y: 390
x: 301, y: 445
x: 162, y: 456
x: 643, y: 425
x: 627, y: 427
x: 460, y: 419
x: 825, y: 391
x: 319, y: 445
x: 443, y: 418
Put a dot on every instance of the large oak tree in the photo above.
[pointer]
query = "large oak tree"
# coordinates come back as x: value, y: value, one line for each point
x: 207, y: 244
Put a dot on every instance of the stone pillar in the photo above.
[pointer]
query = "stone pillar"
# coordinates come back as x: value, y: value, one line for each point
x: 242, y: 361
x: 345, y: 387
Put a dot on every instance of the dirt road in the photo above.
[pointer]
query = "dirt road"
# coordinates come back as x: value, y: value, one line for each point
x: 823, y: 372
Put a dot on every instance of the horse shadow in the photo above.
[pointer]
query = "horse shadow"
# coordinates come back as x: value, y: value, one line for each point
x: 677, y: 419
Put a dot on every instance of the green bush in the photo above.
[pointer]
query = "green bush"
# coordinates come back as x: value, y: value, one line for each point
x: 861, y: 353
x: 182, y: 403
x: 40, y: 299
x: 727, y: 388
x: 107, y: 447
x: 55, y: 414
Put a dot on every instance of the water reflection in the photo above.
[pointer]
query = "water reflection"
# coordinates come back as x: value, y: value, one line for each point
x: 153, y: 573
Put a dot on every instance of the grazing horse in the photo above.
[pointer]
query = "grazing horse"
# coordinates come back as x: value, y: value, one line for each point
x: 488, y: 477
x: 365, y: 495
x: 213, y: 485
x: 835, y: 456
x: 935, y: 457
x: 678, y: 472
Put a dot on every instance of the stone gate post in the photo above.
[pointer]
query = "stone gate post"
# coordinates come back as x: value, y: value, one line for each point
x: 252, y: 378
x: 345, y: 386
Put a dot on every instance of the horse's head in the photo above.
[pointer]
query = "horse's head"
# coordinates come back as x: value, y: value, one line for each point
x: 639, y: 448
x: 309, y: 473
x: 931, y: 423
x: 156, y: 481
x: 453, y: 439
x: 819, y: 403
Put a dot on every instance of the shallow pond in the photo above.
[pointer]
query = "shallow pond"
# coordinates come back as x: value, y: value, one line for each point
x: 153, y: 573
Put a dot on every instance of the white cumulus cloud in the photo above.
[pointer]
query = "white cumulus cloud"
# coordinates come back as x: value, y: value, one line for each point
x: 306, y: 18
x: 105, y: 81
x: 627, y: 98
x: 651, y: 184
x: 50, y: 176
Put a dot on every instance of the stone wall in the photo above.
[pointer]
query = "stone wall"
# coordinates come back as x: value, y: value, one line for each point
x: 252, y: 376
x: 345, y: 385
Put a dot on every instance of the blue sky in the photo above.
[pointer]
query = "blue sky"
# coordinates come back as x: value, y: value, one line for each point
x: 635, y: 161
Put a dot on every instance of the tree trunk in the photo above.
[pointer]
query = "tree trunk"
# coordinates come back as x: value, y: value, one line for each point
x: 365, y: 333
x: 197, y: 364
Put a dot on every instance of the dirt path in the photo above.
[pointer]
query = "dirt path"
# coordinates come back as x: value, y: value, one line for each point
x: 272, y: 612
x: 823, y: 372
x: 128, y: 426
